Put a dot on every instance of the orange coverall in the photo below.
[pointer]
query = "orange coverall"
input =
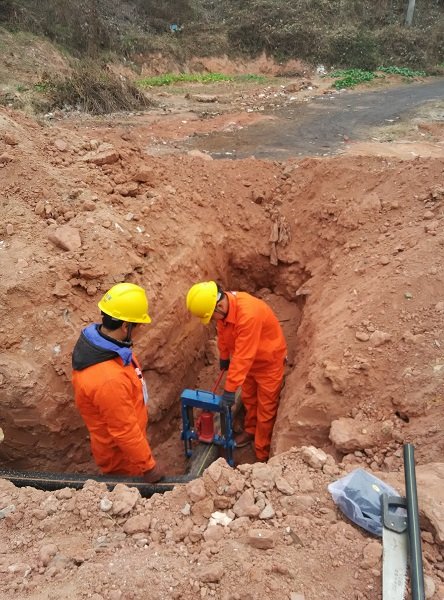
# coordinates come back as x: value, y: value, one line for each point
x: 251, y: 336
x: 109, y: 397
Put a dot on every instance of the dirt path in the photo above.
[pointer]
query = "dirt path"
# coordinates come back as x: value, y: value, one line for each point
x: 323, y: 126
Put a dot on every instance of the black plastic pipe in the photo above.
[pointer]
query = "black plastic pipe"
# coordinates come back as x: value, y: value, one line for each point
x: 203, y: 456
x: 416, y: 567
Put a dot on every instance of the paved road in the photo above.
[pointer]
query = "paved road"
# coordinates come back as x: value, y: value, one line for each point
x: 318, y: 128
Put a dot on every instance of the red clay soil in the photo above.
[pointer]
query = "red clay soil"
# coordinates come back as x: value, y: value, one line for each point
x: 348, y: 250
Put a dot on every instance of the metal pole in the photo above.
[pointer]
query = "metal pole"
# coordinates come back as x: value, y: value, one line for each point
x: 410, y: 12
x: 416, y: 568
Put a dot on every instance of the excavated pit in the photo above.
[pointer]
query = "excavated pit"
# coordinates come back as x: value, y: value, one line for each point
x: 265, y: 283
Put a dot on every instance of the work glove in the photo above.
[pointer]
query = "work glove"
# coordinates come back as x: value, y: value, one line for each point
x: 228, y: 399
x: 224, y: 363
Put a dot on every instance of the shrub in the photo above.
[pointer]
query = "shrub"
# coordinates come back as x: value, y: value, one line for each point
x: 95, y: 90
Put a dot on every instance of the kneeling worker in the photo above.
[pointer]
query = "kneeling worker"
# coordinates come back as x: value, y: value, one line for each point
x: 253, y: 349
x: 109, y: 388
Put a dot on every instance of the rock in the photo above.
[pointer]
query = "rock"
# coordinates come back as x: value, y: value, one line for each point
x: 306, y: 484
x: 384, y: 260
x: 61, y: 289
x: 297, y: 505
x: 338, y: 377
x: 430, y: 479
x: 201, y: 97
x: 2, y: 435
x: 262, y: 477
x: 137, y: 524
x: 198, y: 154
x: 5, y: 158
x: 128, y: 189
x: 61, y: 145
x: 215, y: 469
x: 181, y: 532
x: 9, y: 228
x: 210, y: 573
x: 220, y: 518
x: 429, y: 587
x: 203, y: 508
x: 196, y: 490
x: 105, y: 504
x: 283, y: 486
x: 124, y: 499
x: 267, y: 513
x: 245, y: 506
x: 66, y: 237
x: 362, y: 336
x: 214, y: 533
x: 314, y: 457
x: 372, y: 554
x: 263, y: 539
x: 105, y: 154
x: 296, y: 596
x: 47, y: 553
x: 348, y: 435
x: 377, y: 338
x: 144, y: 175
x: 439, y: 307
x: 10, y: 140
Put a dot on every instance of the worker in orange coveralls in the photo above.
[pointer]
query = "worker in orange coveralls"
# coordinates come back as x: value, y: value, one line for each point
x: 252, y: 347
x: 110, y: 391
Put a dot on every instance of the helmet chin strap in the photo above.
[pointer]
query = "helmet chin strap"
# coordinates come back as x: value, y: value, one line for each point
x: 129, y: 331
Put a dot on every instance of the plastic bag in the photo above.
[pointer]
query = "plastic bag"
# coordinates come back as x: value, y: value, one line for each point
x: 358, y: 495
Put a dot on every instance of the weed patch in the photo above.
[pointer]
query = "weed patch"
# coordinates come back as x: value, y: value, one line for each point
x: 404, y: 71
x: 351, y: 77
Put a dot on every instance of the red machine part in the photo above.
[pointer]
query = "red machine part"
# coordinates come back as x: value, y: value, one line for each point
x: 205, y: 422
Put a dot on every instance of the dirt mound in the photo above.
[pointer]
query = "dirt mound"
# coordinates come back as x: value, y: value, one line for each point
x: 274, y: 527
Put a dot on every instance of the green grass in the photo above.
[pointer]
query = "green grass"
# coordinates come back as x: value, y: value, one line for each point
x: 172, y: 78
x: 404, y: 71
x: 347, y: 78
x: 350, y: 77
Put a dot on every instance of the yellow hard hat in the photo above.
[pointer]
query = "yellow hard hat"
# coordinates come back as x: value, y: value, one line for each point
x: 202, y: 300
x: 126, y: 302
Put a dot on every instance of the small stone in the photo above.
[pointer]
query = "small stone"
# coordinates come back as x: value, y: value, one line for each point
x: 47, y: 553
x: 245, y: 506
x: 9, y: 228
x: 214, y: 533
x: 66, y: 237
x: 10, y: 140
x: 137, y: 524
x: 314, y: 457
x: 283, y: 486
x: 263, y: 539
x: 408, y: 295
x: 362, y: 336
x: 439, y: 307
x: 267, y: 513
x: 384, y: 260
x: 62, y: 289
x: 377, y: 338
x: 61, y: 145
x: 296, y: 596
x: 429, y: 587
x: 196, y: 490
x: 210, y: 573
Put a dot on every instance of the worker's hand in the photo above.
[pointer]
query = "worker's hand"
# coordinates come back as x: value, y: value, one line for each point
x: 224, y: 363
x: 154, y: 475
x: 228, y: 399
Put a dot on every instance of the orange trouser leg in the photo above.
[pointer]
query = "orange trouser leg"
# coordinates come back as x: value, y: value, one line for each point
x: 269, y: 383
x: 249, y: 400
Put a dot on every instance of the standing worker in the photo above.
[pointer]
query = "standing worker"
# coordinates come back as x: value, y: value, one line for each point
x: 110, y: 391
x: 252, y: 347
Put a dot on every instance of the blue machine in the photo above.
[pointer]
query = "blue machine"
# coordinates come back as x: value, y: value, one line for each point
x: 203, y: 430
